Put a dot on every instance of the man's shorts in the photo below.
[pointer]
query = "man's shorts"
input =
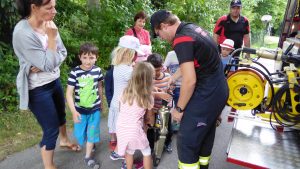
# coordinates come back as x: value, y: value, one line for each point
x: 88, y: 129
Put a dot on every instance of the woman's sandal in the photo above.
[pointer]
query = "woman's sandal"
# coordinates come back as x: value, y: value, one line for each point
x: 90, y: 162
x: 73, y: 147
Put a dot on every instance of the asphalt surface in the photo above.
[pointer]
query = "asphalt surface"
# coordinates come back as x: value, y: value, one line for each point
x: 65, y: 159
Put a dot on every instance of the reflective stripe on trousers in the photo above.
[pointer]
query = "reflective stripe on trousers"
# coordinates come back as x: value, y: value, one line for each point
x: 204, y: 160
x: 188, y: 166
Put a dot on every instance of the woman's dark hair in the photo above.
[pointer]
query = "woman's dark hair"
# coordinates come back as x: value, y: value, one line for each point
x: 24, y: 6
x: 155, y: 59
x: 140, y: 15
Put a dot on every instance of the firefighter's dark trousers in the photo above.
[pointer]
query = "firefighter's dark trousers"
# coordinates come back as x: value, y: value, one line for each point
x: 198, y: 125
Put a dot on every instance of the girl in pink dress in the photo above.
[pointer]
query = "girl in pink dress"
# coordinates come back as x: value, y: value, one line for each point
x: 136, y: 99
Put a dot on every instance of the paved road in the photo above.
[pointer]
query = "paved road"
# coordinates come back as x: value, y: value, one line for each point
x: 31, y: 159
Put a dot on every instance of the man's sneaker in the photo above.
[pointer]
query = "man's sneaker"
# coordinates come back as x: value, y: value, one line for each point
x: 168, y: 148
x: 124, y: 166
x: 112, y: 145
x: 114, y: 156
x: 139, y: 165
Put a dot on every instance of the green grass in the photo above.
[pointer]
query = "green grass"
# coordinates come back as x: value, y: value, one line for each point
x: 20, y: 130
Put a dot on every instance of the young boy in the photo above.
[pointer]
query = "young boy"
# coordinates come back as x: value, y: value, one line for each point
x: 226, y: 48
x: 161, y: 83
x: 85, y: 82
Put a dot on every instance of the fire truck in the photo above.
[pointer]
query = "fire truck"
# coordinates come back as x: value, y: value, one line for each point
x: 265, y: 92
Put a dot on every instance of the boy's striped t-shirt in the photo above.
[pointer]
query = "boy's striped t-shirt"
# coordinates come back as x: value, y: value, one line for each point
x: 85, y: 84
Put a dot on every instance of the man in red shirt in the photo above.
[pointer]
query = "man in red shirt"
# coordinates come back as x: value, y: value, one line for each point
x: 233, y: 26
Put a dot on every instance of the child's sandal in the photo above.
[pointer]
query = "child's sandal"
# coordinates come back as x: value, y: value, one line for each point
x: 90, y: 162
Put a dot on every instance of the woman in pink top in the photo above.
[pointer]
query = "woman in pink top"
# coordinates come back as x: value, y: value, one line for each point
x: 143, y: 35
x: 136, y: 99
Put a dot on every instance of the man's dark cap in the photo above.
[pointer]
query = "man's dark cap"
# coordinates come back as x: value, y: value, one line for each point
x: 157, y: 18
x: 235, y: 3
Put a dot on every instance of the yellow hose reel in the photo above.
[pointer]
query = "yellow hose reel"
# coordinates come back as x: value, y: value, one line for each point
x: 246, y: 89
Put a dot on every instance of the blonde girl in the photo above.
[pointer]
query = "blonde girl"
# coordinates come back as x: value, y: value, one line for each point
x: 136, y: 99
x: 123, y: 56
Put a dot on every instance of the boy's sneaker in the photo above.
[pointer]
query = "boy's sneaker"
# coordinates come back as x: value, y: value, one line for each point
x: 114, y: 156
x: 168, y: 148
x: 139, y: 165
x: 112, y: 145
x: 124, y: 166
x: 91, y: 163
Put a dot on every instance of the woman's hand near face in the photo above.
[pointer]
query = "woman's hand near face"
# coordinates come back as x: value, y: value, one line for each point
x: 51, y: 31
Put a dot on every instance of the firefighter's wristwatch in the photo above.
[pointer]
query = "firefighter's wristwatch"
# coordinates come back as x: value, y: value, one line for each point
x: 180, y: 110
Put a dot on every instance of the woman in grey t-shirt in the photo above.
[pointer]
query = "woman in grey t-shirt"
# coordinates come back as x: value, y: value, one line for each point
x: 40, y: 51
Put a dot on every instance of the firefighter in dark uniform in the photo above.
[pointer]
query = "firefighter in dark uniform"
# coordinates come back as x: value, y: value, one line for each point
x: 204, y: 89
x: 233, y: 26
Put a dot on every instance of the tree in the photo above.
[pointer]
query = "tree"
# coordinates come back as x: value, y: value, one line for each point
x: 8, y: 17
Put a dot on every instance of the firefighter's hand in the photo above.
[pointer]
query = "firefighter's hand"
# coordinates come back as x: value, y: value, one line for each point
x: 176, y: 115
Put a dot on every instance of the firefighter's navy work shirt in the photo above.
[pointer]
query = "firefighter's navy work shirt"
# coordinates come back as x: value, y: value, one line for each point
x: 192, y: 43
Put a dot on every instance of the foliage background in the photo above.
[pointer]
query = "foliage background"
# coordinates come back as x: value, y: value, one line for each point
x: 103, y: 22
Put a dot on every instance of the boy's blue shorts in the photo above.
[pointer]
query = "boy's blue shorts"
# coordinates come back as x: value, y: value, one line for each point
x: 88, y: 129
